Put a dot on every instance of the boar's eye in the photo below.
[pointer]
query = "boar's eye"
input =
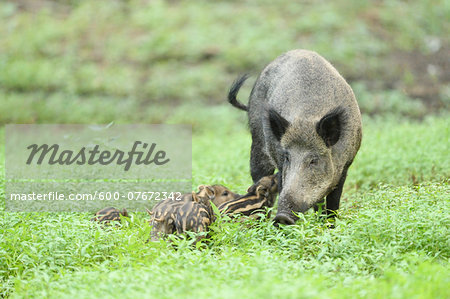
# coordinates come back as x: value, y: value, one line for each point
x: 287, y: 157
x: 225, y: 193
x: 314, y: 161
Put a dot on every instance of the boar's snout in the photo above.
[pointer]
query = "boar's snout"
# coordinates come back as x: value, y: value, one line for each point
x: 284, y: 218
x: 286, y: 208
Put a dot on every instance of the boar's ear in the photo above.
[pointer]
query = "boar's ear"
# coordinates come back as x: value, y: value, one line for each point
x: 330, y: 127
x: 278, y: 124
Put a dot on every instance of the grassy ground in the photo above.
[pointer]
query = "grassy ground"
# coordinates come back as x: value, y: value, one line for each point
x: 171, y: 62
x: 391, y: 239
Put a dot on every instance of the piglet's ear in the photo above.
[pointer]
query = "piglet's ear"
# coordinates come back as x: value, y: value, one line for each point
x: 278, y: 124
x: 261, y: 190
x: 212, y: 193
x: 330, y: 127
x: 252, y: 188
x: 149, y: 212
x: 195, y: 198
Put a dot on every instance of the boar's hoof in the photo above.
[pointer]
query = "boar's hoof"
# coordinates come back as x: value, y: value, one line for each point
x: 283, y: 219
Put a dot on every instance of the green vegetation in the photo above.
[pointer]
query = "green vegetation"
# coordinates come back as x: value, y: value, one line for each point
x: 391, y: 238
x: 85, y: 61
x: 171, y: 62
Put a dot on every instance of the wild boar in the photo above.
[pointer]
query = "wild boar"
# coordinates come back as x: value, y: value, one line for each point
x: 106, y: 215
x: 304, y: 121
x: 162, y: 217
x: 194, y: 216
x: 164, y: 213
x: 260, y: 195
x: 217, y: 193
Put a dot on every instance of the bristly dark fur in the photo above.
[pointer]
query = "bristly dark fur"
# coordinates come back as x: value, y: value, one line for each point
x: 331, y: 125
x: 234, y: 89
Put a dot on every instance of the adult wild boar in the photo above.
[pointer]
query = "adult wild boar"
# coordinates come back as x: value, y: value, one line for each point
x: 305, y: 121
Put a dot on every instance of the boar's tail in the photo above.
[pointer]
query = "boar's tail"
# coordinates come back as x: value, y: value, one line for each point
x: 234, y: 89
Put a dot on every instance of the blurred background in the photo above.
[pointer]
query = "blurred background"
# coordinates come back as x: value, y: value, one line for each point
x: 173, y: 61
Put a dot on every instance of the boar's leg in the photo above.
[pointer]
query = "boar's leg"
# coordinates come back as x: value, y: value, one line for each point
x: 334, y: 197
x: 260, y: 165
